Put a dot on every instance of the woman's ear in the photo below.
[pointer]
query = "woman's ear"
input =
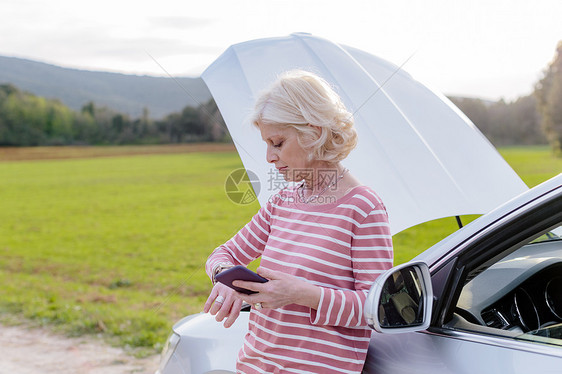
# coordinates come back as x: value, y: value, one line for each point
x: 318, y: 129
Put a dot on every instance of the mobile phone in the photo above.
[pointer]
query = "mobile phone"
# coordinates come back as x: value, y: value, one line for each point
x: 239, y: 272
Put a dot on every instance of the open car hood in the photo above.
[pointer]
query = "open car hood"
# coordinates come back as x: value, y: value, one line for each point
x: 421, y: 154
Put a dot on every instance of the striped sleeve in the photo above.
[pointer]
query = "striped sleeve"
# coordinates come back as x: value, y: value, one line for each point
x: 371, y: 255
x: 247, y: 245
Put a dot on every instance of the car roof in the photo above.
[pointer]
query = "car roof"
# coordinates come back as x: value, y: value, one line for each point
x: 432, y: 255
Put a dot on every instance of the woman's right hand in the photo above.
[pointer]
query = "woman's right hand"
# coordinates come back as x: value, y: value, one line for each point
x: 229, y: 308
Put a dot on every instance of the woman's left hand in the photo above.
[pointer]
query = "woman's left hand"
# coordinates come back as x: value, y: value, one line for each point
x: 282, y: 289
x: 223, y: 302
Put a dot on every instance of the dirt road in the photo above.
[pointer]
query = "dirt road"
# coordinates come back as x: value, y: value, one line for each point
x: 27, y: 350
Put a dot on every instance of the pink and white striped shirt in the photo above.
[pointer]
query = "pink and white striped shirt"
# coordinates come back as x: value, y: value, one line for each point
x: 340, y: 247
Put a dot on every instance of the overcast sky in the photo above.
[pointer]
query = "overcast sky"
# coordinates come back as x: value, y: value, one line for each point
x: 484, y: 48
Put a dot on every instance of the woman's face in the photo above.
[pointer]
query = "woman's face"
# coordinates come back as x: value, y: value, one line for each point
x: 284, y: 151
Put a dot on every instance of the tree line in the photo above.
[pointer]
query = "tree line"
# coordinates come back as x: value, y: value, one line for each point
x: 548, y: 92
x: 505, y: 123
x: 29, y: 120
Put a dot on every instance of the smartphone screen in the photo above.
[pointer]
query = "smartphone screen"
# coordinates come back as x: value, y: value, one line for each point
x: 239, y: 272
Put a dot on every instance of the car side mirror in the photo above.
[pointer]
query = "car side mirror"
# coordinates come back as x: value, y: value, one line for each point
x: 401, y: 299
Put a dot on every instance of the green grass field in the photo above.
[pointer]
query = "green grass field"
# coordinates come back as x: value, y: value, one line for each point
x: 117, y: 245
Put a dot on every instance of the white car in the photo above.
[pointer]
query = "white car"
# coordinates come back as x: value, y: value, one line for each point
x: 486, y: 299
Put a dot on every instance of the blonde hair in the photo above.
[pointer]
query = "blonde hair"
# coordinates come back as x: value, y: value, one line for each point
x: 298, y: 99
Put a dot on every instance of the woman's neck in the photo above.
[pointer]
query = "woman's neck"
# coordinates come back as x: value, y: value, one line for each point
x: 322, y: 179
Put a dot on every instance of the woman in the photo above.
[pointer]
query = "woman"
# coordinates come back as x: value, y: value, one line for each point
x: 322, y: 242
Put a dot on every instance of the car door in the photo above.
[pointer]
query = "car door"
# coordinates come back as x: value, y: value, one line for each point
x: 447, y: 351
x: 491, y: 311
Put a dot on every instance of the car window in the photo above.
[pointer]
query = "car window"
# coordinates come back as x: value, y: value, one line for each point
x: 518, y: 296
x: 555, y: 234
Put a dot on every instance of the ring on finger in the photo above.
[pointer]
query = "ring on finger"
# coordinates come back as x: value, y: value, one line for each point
x: 258, y: 306
x: 219, y: 299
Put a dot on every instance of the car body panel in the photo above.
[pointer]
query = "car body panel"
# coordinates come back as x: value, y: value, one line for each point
x: 201, y: 350
x: 427, y: 353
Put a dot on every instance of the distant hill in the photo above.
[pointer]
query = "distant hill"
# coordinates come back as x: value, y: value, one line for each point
x: 124, y: 93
